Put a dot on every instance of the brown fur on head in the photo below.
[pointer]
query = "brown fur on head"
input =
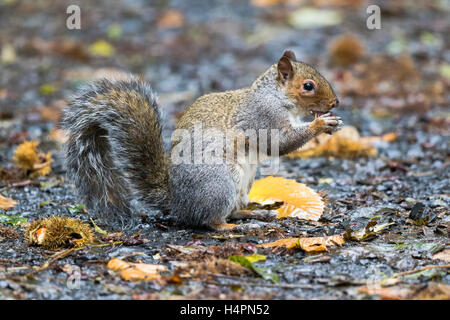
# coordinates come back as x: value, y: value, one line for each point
x: 305, y: 86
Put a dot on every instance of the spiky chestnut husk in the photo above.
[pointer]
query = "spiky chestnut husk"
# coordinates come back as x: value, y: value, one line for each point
x: 58, y: 232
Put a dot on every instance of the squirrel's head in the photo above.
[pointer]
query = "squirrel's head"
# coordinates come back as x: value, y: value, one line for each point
x: 305, y: 86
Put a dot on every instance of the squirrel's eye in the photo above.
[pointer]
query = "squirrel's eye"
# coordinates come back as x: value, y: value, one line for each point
x: 308, y: 86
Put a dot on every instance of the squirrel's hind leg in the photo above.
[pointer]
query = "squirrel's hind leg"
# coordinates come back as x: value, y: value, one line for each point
x: 202, y: 196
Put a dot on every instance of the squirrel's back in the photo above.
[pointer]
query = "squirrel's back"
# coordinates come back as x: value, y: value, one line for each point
x: 115, y: 151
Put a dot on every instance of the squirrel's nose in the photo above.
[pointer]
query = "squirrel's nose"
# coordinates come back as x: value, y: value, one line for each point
x: 335, y: 104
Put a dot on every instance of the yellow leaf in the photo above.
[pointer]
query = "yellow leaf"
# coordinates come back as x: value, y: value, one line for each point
x: 308, y: 244
x: 8, y: 54
x: 101, y: 48
x: 47, y: 89
x: 7, y: 203
x: 31, y: 161
x: 136, y: 271
x: 299, y: 200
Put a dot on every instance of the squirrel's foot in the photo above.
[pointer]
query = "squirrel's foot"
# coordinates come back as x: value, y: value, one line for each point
x: 258, y: 214
x: 235, y: 227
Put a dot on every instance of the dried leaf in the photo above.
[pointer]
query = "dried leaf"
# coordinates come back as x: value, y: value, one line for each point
x: 371, y: 230
x: 444, y: 255
x: 434, y: 291
x: 390, y: 293
x: 299, y: 200
x: 8, y: 54
x: 345, y: 50
x: 171, y: 19
x: 246, y: 261
x: 7, y: 203
x: 58, y: 135
x: 31, y: 161
x: 289, y: 243
x: 136, y: 271
x: 308, y: 244
x: 345, y: 143
x: 317, y: 244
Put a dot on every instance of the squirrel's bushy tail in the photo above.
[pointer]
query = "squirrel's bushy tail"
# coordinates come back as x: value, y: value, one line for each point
x: 115, y: 152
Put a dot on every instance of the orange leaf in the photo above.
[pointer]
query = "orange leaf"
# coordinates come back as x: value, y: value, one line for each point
x: 310, y: 244
x: 320, y: 243
x: 7, y: 203
x: 136, y: 271
x: 299, y: 200
x: 289, y: 243
x: 171, y: 19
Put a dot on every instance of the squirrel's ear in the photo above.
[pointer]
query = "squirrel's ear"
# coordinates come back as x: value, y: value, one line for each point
x: 290, y: 55
x: 285, y: 70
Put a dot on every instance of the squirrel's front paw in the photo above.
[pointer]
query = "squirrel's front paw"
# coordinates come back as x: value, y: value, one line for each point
x: 327, y: 123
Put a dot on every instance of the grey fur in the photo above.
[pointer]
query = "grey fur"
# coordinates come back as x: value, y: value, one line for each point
x: 103, y: 159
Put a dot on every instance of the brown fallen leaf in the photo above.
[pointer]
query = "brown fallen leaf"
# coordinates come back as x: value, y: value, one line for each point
x: 443, y: 255
x: 7, y: 203
x: 434, y: 291
x: 50, y: 113
x: 299, y: 200
x: 308, y: 244
x: 130, y: 271
x: 389, y: 293
x: 209, y: 267
x: 58, y: 135
x: 9, y: 233
x: 31, y: 161
x: 345, y: 50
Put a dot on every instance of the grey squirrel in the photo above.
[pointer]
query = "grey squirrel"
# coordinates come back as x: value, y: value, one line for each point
x: 115, y: 154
